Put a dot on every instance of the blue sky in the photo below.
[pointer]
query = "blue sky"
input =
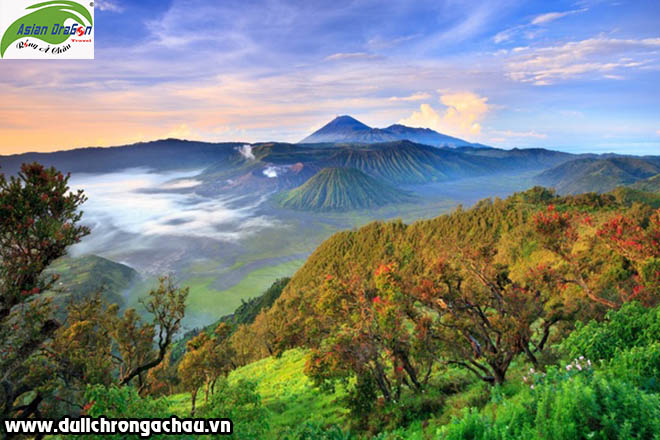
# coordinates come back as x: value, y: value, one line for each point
x: 570, y: 75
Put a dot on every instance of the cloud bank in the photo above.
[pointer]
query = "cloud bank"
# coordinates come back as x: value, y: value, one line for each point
x: 461, y: 116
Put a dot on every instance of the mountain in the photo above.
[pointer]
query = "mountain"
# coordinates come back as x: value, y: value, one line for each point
x: 279, y: 166
x: 90, y: 274
x: 651, y: 184
x: 166, y: 154
x: 409, y: 163
x: 599, y: 175
x: 424, y: 136
x: 342, y: 189
x: 348, y: 129
x: 523, y: 158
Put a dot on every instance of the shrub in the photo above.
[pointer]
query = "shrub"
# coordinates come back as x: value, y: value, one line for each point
x: 639, y: 366
x: 241, y: 403
x: 631, y: 326
x: 313, y: 431
x: 122, y: 402
x: 567, y: 407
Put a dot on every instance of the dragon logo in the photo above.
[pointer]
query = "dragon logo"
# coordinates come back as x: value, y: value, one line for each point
x: 46, y: 23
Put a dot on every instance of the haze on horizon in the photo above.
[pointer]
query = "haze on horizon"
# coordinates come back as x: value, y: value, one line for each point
x: 580, y: 75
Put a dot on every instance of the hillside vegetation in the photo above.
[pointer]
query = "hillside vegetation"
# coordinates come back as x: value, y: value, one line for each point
x: 599, y: 175
x: 342, y: 189
x: 532, y: 317
x: 90, y: 274
x: 652, y: 184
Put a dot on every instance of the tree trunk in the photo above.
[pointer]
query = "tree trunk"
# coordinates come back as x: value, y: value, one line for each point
x: 193, y: 396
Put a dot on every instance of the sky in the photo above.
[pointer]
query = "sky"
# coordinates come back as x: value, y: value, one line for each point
x: 575, y: 76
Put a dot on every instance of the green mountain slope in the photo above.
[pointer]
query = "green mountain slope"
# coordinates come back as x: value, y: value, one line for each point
x: 409, y: 163
x: 90, y: 274
x: 342, y: 189
x: 651, y: 184
x: 599, y: 175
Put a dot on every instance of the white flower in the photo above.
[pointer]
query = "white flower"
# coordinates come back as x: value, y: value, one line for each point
x: 568, y: 367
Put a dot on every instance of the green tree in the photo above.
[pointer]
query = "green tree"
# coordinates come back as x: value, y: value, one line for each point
x: 98, y: 345
x: 38, y: 220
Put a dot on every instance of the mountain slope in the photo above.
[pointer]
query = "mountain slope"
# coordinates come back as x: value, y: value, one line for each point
x: 651, y: 184
x: 599, y: 175
x: 342, y: 189
x: 90, y: 274
x: 166, y: 154
x: 348, y: 129
x: 400, y: 162
x: 424, y: 136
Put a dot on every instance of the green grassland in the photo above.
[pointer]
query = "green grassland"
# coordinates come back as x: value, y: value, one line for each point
x: 288, y: 395
x: 206, y: 303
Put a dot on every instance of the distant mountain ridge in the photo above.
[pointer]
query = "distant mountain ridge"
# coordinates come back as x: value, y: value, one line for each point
x: 652, y: 184
x: 164, y: 154
x: 348, y: 129
x: 599, y: 175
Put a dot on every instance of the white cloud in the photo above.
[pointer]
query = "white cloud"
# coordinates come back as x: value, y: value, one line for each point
x: 604, y: 56
x: 552, y: 16
x: 533, y: 28
x: 518, y: 134
x: 181, y: 184
x: 349, y: 56
x: 246, y: 151
x: 118, y: 204
x: 107, y: 5
x: 658, y: 132
x: 461, y: 117
x: 419, y: 96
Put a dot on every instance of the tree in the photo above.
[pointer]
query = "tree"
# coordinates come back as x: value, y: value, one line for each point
x: 38, y: 221
x: 207, y: 358
x: 611, y: 263
x: 167, y: 305
x: 192, y: 366
x: 481, y: 318
x: 124, y: 348
x: 639, y: 247
x: 364, y: 332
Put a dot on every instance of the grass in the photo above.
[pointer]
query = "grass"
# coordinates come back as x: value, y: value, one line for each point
x: 206, y: 304
x: 288, y: 395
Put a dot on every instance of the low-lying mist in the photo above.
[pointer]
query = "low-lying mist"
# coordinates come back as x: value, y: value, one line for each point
x: 150, y: 220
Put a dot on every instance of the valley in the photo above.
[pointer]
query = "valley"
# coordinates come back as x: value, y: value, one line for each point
x: 227, y: 219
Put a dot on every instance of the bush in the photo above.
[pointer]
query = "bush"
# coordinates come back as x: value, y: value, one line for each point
x: 241, y: 403
x: 639, y: 366
x: 631, y: 326
x: 122, y: 402
x: 567, y: 407
x: 313, y: 431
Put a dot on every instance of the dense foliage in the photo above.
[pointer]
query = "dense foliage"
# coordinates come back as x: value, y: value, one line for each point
x: 533, y: 317
x: 384, y: 307
x: 46, y: 364
x: 38, y: 221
